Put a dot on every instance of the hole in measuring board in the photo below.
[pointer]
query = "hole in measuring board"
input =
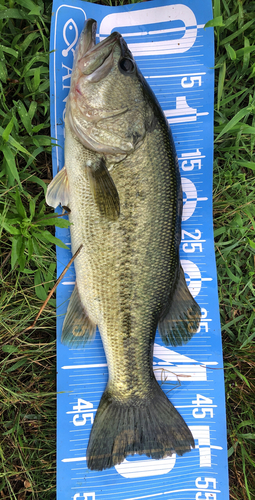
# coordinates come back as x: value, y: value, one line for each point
x: 141, y: 466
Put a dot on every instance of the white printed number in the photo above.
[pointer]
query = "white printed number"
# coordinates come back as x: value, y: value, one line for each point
x: 203, y: 484
x: 202, y: 400
x: 82, y: 419
x: 186, y: 85
x: 202, y: 412
x: 195, y: 236
x: 191, y: 160
x: 193, y: 164
x: 202, y: 409
x: 84, y: 496
x: 83, y: 416
x: 191, y: 247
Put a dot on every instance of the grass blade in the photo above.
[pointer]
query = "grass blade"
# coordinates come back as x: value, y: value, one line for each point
x: 237, y: 118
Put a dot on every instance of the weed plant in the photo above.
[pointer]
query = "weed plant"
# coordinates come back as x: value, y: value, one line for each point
x: 27, y: 257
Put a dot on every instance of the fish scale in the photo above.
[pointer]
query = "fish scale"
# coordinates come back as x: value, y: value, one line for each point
x: 114, y: 264
x: 123, y: 187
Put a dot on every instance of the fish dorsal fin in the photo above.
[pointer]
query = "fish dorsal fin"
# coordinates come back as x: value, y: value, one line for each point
x: 104, y: 190
x: 180, y: 318
x: 58, y: 190
x: 77, y: 327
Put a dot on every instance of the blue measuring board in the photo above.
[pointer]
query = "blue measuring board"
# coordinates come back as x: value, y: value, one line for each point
x: 176, y: 55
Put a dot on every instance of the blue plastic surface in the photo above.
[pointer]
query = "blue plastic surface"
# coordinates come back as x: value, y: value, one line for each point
x: 176, y: 54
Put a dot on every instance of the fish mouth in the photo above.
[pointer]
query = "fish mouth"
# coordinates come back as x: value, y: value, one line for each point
x: 96, y: 60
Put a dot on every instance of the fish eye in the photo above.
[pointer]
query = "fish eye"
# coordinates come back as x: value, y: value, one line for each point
x: 126, y: 65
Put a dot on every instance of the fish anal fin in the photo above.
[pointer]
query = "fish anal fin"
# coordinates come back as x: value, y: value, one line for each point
x: 58, y: 190
x: 104, y: 190
x: 78, y: 329
x: 180, y: 319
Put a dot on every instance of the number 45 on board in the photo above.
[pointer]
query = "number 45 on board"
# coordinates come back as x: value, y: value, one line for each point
x: 204, y: 407
x: 82, y: 413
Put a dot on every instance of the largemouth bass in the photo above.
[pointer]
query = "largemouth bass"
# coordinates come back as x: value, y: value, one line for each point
x: 121, y: 182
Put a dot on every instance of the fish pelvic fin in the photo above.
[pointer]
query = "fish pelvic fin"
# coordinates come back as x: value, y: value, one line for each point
x: 180, y: 319
x: 58, y: 190
x: 152, y: 427
x: 104, y: 190
x: 77, y: 329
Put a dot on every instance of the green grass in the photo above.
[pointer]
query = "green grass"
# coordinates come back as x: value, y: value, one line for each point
x: 27, y: 260
x: 234, y: 214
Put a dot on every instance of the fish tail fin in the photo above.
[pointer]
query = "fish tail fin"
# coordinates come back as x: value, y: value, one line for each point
x: 152, y: 427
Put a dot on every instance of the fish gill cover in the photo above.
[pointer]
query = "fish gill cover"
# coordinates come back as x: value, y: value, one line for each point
x: 175, y: 55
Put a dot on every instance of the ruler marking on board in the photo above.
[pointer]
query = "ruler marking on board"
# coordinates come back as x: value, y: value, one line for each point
x: 176, y: 76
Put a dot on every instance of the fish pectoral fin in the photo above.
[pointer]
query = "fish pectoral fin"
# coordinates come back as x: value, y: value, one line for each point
x: 58, y: 190
x: 104, y: 190
x: 180, y: 318
x: 78, y: 329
